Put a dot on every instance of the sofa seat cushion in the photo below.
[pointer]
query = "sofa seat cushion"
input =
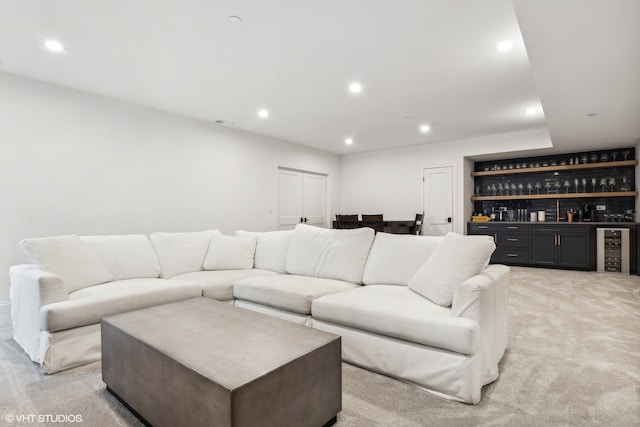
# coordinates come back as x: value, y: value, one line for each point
x: 398, y: 312
x: 288, y: 292
x: 88, y: 305
x: 218, y: 284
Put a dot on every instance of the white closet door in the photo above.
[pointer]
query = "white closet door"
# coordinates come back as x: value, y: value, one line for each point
x: 438, y: 201
x: 290, y: 199
x: 302, y: 198
x: 315, y: 199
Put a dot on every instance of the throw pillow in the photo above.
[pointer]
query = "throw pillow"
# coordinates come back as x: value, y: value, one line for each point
x: 68, y: 257
x: 452, y: 262
x: 230, y: 253
x: 181, y: 252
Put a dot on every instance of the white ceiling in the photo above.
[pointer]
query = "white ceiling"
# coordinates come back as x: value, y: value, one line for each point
x: 419, y: 61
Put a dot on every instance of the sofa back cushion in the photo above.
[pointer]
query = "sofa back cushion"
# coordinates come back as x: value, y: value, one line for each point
x: 271, y: 250
x: 455, y: 260
x: 330, y: 254
x: 129, y: 256
x: 181, y: 252
x: 230, y: 253
x: 68, y: 257
x: 395, y: 258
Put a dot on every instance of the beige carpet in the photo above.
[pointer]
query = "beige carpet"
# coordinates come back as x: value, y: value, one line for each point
x: 573, y: 360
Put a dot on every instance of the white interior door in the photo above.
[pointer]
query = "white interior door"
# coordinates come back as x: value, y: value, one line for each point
x: 315, y: 199
x: 290, y: 198
x: 302, y: 198
x: 438, y: 201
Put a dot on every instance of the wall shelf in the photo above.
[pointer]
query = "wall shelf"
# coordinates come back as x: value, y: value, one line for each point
x: 556, y: 196
x: 557, y: 168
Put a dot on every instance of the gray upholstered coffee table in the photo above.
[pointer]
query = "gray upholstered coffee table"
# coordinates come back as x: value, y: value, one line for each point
x: 200, y: 362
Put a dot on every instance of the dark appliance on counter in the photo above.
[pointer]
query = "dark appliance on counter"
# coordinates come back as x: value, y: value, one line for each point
x: 589, y: 214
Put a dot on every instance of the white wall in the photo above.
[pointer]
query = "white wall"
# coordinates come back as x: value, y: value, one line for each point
x: 390, y: 181
x: 74, y: 163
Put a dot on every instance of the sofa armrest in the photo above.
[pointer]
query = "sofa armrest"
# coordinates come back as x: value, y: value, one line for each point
x: 30, y: 289
x: 484, y: 298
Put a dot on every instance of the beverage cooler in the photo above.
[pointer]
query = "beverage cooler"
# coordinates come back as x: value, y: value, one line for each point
x: 613, y: 254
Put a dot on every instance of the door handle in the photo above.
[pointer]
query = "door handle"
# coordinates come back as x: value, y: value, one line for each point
x: 512, y: 240
x: 301, y: 219
x: 306, y: 219
x: 559, y: 241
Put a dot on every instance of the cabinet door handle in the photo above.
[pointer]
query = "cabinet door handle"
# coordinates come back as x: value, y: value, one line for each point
x: 512, y: 255
x: 512, y: 240
x: 495, y: 237
x: 555, y: 240
x: 482, y: 227
x: 559, y: 241
x: 513, y: 228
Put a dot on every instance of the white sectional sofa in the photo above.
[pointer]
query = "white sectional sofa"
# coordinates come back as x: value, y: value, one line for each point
x: 427, y: 310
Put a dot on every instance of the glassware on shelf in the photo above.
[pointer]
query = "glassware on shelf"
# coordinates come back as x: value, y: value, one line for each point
x: 493, y: 189
x: 593, y: 158
x: 604, y: 157
x: 521, y: 188
x: 584, y: 185
x: 624, y: 186
x: 593, y: 185
x: 477, y: 190
x: 538, y: 187
x: 625, y: 154
x: 500, y: 189
x: 603, y: 183
x: 529, y: 187
x: 614, y: 155
x: 612, y: 184
x: 567, y: 185
x: 513, y: 189
x: 577, y: 183
x: 584, y: 159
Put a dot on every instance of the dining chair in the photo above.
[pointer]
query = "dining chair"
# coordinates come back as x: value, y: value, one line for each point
x: 374, y: 221
x: 347, y: 221
x: 417, y: 225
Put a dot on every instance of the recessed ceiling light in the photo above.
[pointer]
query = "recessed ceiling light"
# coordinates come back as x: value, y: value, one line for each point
x: 504, y: 46
x: 531, y: 111
x: 54, y: 45
x: 355, y: 87
x: 263, y: 113
x: 348, y: 141
x: 424, y: 128
x: 235, y: 19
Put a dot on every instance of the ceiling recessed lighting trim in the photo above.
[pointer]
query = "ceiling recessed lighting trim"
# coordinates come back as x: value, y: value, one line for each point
x: 54, y: 45
x: 348, y: 141
x: 355, y: 87
x: 235, y: 19
x: 531, y: 111
x: 504, y: 46
x: 263, y: 113
x: 425, y: 128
